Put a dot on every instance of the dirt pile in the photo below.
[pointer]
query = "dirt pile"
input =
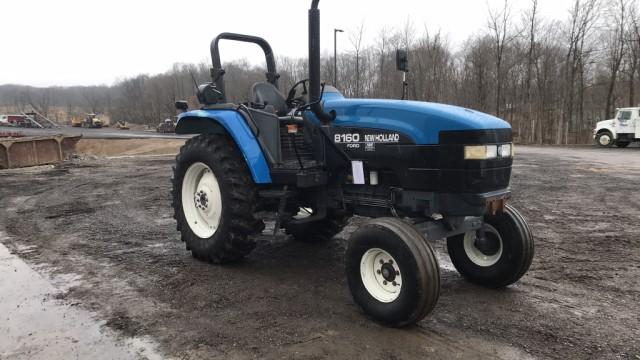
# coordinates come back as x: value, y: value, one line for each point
x: 128, y: 147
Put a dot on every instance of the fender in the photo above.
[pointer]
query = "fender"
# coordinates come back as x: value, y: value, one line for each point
x: 606, y: 125
x: 231, y: 122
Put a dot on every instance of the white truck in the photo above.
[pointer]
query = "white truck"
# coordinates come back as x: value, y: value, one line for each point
x: 621, y: 131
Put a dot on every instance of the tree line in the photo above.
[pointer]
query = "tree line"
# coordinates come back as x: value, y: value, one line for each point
x: 551, y: 79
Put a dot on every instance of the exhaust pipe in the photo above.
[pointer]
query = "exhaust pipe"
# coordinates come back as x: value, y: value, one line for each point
x: 314, y: 65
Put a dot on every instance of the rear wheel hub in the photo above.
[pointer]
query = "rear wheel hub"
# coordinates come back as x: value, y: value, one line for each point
x: 201, y: 200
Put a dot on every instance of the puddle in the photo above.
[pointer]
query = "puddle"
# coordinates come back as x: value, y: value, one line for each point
x: 36, y: 326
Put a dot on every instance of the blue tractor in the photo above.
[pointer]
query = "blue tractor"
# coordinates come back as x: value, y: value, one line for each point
x: 315, y: 158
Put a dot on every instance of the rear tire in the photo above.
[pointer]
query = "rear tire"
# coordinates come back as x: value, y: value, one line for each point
x: 507, y: 257
x: 393, y: 272
x: 605, y: 139
x: 622, y: 144
x: 214, y: 199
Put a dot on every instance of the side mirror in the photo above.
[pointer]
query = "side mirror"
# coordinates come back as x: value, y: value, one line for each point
x: 182, y: 105
x: 402, y: 60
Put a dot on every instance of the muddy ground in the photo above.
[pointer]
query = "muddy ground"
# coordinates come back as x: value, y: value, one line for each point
x: 105, y: 227
x: 127, y: 147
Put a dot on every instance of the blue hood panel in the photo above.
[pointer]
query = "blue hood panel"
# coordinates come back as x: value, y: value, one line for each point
x: 421, y: 121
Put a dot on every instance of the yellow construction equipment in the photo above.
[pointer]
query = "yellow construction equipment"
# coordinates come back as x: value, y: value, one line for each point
x: 122, y: 125
x: 89, y: 121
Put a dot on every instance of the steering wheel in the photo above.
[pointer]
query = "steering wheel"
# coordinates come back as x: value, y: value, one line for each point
x: 292, y: 100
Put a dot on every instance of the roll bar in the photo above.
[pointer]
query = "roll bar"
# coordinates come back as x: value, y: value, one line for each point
x: 217, y: 73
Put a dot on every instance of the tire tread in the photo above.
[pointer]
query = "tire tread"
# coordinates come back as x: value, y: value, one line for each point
x: 243, y: 193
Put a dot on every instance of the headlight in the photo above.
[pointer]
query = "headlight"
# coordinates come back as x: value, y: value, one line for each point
x: 485, y: 152
x: 505, y: 150
x: 480, y: 152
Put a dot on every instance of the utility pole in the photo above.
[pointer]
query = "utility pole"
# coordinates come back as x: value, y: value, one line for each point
x: 335, y: 56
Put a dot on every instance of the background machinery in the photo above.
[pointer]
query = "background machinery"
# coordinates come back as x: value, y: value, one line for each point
x: 314, y: 158
x: 89, y: 121
x: 122, y: 125
x: 167, y: 126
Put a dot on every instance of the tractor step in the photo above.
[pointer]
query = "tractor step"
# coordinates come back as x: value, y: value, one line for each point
x: 295, y: 164
x: 276, y: 194
x: 301, y: 178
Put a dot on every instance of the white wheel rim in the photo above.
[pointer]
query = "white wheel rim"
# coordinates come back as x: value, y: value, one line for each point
x: 474, y: 254
x: 605, y: 140
x: 376, y: 267
x: 201, y: 200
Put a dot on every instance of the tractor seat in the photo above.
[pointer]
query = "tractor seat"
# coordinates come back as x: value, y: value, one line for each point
x: 263, y: 92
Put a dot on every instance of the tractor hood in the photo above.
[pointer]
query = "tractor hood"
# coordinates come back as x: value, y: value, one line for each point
x: 421, y: 121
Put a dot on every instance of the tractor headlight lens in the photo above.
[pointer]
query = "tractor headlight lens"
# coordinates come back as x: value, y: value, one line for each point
x: 492, y: 151
x: 485, y: 152
x: 475, y: 152
x: 505, y: 150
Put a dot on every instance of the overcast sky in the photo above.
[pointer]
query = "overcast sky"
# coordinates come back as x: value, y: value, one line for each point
x: 89, y: 42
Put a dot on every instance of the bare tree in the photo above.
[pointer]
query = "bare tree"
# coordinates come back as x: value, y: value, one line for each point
x: 633, y: 52
x: 502, y: 34
x: 381, y: 50
x: 95, y: 99
x: 583, y: 16
x: 356, y: 41
x: 533, y: 22
x: 38, y: 99
x: 615, y: 39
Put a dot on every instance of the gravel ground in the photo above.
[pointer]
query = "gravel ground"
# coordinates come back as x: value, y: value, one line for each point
x: 102, y: 232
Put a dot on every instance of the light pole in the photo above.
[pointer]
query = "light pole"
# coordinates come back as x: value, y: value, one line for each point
x: 335, y: 56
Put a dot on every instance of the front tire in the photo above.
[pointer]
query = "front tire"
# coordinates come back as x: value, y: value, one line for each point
x: 502, y: 259
x: 392, y: 272
x: 605, y: 139
x: 214, y: 199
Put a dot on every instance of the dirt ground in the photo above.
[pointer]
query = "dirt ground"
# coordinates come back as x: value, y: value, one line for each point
x: 107, y: 225
x: 128, y: 147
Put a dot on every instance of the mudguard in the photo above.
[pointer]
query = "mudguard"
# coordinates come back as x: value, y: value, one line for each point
x: 606, y: 125
x: 228, y: 121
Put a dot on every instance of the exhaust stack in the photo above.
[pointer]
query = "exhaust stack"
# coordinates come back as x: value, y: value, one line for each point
x: 314, y: 64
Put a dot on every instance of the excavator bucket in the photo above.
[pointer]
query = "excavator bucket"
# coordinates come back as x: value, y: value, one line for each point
x: 31, y: 151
